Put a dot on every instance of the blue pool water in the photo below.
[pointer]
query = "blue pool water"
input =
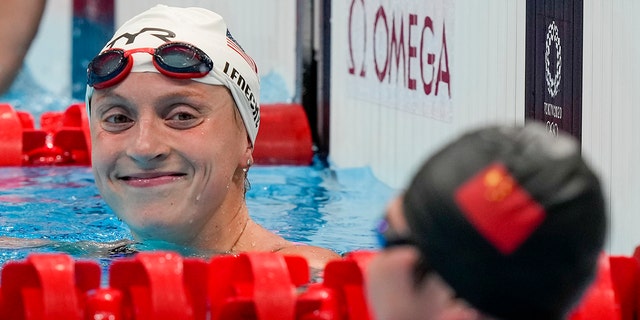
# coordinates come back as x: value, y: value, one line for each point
x: 318, y: 204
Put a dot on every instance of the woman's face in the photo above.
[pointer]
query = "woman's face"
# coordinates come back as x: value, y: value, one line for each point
x: 394, y: 293
x: 390, y: 285
x: 168, y: 154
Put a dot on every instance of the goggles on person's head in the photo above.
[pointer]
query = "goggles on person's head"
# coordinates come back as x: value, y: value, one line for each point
x: 388, y: 238
x: 173, y: 59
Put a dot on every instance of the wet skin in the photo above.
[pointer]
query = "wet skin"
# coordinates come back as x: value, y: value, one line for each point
x: 169, y: 156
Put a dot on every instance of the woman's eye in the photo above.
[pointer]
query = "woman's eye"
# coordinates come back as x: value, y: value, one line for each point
x: 183, y: 120
x: 116, y: 122
x: 182, y: 116
x: 118, y: 118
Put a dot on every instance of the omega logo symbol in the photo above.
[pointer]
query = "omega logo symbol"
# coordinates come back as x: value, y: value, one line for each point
x: 553, y: 81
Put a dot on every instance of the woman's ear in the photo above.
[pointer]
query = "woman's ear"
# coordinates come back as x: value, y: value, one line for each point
x: 249, y: 144
x: 247, y: 159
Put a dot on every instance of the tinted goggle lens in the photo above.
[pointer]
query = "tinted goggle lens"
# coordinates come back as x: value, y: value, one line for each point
x: 178, y: 60
x: 183, y: 59
x: 106, y: 66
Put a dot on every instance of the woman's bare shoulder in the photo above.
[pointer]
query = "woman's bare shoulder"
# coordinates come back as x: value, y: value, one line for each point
x: 317, y: 257
x: 257, y: 238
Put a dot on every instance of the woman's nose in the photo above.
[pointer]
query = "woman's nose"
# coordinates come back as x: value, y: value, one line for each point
x: 149, y: 144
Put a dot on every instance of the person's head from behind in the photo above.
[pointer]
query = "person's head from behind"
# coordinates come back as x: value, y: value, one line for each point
x: 504, y: 223
x: 174, y: 112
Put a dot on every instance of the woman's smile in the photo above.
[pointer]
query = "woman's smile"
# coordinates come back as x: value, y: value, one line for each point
x: 154, y: 179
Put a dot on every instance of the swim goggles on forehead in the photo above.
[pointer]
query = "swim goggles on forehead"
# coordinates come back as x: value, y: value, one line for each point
x: 173, y: 59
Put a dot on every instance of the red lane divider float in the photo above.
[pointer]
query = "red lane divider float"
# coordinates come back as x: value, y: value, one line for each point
x: 47, y: 287
x: 62, y: 140
x: 258, y: 285
x: 164, y: 285
x: 64, y: 137
x: 284, y: 136
x: 10, y: 137
x: 160, y: 286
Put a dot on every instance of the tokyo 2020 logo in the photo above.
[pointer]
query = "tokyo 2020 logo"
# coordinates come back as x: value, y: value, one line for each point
x: 553, y: 81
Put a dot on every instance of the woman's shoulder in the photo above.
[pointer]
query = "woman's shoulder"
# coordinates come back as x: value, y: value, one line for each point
x: 257, y: 238
x: 317, y: 257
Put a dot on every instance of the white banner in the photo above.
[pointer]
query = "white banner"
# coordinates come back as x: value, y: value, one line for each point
x: 399, y: 54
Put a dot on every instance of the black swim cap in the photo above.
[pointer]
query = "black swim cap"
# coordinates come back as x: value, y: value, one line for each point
x: 513, y: 220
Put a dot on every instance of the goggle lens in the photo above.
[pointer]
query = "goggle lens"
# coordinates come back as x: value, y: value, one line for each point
x: 182, y: 58
x: 106, y: 66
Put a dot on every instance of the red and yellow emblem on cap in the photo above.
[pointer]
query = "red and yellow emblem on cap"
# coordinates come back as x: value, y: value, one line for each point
x: 499, y: 208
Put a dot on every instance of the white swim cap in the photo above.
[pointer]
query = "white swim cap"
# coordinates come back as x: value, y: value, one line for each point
x: 206, y: 30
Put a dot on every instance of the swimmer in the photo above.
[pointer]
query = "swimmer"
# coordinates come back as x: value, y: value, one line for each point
x: 173, y: 102
x: 503, y: 223
x: 19, y: 25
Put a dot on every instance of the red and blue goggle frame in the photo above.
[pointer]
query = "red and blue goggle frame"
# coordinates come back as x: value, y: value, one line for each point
x: 173, y: 59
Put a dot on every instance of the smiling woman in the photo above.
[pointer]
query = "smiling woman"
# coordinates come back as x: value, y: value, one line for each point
x: 164, y: 162
x: 173, y: 131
